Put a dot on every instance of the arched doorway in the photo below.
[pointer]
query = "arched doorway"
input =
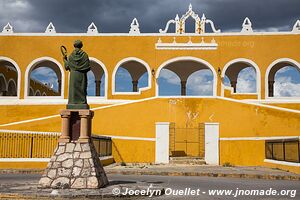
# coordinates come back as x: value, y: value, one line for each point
x: 46, y: 76
x: 131, y: 75
x: 283, y: 78
x: 191, y: 76
x: 97, y: 79
x: 243, y: 76
x: 9, y: 78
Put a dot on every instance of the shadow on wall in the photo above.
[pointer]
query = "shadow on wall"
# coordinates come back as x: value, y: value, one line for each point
x: 117, y: 151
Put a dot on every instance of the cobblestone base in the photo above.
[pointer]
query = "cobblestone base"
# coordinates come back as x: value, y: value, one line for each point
x: 74, y: 165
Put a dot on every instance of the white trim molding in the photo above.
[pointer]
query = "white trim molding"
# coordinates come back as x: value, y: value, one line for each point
x: 286, y: 60
x: 125, y: 60
x: 2, y: 58
x: 27, y: 78
x: 292, y: 164
x: 50, y: 29
x: 246, y: 61
x: 186, y: 58
x: 8, y: 29
x: 259, y: 138
x: 189, y: 45
x: 162, y: 135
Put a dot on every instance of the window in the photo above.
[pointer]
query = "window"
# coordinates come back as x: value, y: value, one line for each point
x: 283, y: 150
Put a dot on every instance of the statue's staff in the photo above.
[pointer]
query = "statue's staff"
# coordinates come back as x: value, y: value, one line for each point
x: 63, y: 50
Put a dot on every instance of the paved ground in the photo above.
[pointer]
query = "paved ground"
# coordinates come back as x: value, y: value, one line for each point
x: 15, y: 183
x: 203, y: 170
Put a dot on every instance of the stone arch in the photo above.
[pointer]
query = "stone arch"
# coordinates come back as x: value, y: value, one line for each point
x: 3, y: 85
x: 37, y: 93
x: 11, y: 88
x: 234, y: 67
x: 136, y: 68
x: 31, y: 92
x: 194, y: 64
x: 10, y: 70
x: 272, y: 69
x: 49, y: 63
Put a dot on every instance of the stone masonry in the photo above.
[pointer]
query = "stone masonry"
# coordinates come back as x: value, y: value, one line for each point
x: 74, y: 165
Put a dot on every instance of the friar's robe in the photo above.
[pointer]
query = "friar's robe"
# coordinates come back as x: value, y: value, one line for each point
x: 79, y: 64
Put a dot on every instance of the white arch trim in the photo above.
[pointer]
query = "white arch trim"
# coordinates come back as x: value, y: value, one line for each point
x: 116, y: 69
x: 2, y: 58
x: 252, y: 64
x: 287, y: 60
x: 187, y: 58
x: 105, y: 78
x: 27, y: 78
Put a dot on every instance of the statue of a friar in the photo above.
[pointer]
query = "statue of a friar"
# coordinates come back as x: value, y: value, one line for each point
x: 78, y: 64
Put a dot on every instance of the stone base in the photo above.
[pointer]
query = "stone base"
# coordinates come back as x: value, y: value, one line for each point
x: 74, y: 165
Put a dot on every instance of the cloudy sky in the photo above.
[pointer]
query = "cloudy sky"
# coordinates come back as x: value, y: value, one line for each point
x: 116, y: 16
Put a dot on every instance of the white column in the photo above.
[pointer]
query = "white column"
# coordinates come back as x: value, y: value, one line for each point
x: 212, y: 143
x: 162, y: 142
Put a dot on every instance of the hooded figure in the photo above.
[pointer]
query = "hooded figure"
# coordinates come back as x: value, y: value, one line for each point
x: 78, y: 64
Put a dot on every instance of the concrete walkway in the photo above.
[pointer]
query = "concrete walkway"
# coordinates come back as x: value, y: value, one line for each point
x: 187, y: 170
x: 202, y: 170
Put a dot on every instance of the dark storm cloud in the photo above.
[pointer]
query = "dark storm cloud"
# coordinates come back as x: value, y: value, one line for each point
x: 116, y: 15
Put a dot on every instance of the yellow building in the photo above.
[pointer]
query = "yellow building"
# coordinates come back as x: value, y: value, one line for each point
x: 248, y: 129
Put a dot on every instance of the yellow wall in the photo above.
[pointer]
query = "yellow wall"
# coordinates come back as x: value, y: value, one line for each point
x: 16, y: 113
x: 138, y: 120
x: 24, y: 49
x: 249, y: 153
x: 294, y: 106
x: 133, y: 151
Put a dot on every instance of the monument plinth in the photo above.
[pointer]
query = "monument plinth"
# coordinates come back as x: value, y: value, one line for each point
x: 75, y: 162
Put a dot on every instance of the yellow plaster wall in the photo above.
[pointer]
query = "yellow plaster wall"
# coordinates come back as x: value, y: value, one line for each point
x: 16, y: 113
x: 111, y: 49
x: 248, y: 153
x: 138, y: 120
x: 132, y: 151
x: 294, y: 106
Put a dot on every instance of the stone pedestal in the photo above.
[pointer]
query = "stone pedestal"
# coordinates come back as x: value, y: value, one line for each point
x: 75, y: 162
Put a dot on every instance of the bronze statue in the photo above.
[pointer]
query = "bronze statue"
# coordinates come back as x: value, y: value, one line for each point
x: 78, y: 64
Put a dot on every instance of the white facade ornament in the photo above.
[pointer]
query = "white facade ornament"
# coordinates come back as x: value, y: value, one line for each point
x: 296, y: 28
x: 134, y: 27
x: 92, y: 29
x: 50, y: 28
x: 8, y: 28
x: 199, y: 23
x: 189, y: 45
x: 247, y: 26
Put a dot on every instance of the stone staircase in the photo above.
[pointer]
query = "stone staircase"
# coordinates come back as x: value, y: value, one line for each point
x: 187, y: 160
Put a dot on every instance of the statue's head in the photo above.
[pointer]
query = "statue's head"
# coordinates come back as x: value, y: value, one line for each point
x: 78, y: 44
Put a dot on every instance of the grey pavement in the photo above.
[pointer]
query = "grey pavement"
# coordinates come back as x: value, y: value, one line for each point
x: 170, y: 184
x: 202, y: 170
